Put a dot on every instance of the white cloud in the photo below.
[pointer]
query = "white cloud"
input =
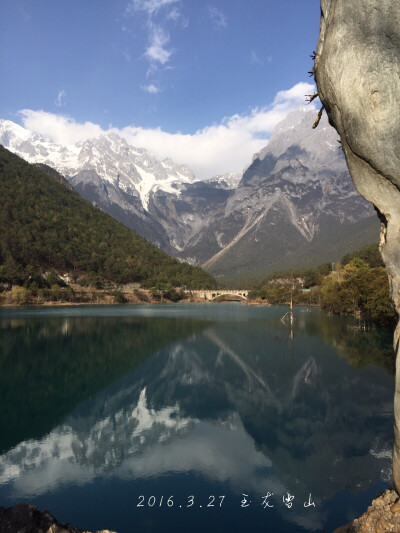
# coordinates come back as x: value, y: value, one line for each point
x: 152, y: 89
x: 174, y: 14
x: 295, y: 93
x: 58, y: 128
x: 60, y: 100
x: 219, y: 148
x: 155, y: 16
x: 148, y: 6
x: 157, y: 52
x: 218, y: 18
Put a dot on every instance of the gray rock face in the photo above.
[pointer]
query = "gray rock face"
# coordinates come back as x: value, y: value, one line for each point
x: 120, y: 204
x: 294, y: 198
x: 357, y: 70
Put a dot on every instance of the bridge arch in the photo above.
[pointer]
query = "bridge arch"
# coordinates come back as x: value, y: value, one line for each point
x: 231, y: 296
x: 212, y: 295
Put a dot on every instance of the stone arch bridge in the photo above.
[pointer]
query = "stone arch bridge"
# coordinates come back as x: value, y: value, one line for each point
x: 233, y: 294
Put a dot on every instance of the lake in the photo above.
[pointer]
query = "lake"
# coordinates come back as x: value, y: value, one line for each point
x: 194, y: 417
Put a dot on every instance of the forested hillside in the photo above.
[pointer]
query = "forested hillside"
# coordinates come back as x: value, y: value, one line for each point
x: 357, y: 285
x: 47, y: 227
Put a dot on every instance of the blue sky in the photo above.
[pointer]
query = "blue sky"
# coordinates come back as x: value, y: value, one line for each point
x: 201, y: 81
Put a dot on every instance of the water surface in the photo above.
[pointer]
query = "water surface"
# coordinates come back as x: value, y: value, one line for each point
x: 186, y: 417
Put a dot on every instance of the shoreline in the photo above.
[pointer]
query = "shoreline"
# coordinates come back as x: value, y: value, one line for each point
x: 85, y: 296
x: 78, y: 304
x: 49, y: 303
x: 115, y: 296
x: 132, y: 301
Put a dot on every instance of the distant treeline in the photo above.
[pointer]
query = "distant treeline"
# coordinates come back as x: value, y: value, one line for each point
x: 357, y: 286
x: 47, y: 227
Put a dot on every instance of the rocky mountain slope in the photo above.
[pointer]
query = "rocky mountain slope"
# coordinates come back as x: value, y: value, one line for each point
x: 294, y: 205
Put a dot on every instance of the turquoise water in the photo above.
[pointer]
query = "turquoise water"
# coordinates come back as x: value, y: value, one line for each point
x: 193, y: 417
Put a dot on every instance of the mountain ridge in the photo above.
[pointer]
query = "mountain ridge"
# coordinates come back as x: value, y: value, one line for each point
x: 295, y: 188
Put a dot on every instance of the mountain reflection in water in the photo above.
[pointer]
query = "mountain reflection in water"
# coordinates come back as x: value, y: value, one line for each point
x: 224, y: 403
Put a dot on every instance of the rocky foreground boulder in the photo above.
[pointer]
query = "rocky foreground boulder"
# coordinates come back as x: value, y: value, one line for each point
x: 380, y: 517
x: 23, y: 518
x: 357, y: 70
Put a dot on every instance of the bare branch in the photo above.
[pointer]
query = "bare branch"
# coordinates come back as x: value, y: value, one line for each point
x: 311, y: 97
x: 318, y: 119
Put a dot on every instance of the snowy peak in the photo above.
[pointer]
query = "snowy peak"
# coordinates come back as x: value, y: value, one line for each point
x: 11, y: 132
x: 226, y: 181
x: 133, y: 170
x: 179, y: 172
x: 32, y: 147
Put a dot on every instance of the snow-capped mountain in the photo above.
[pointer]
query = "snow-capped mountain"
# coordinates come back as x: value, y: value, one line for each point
x: 107, y: 171
x: 133, y: 170
x: 227, y: 181
x: 294, y: 205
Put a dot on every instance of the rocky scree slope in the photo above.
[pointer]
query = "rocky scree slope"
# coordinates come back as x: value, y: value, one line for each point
x: 295, y: 204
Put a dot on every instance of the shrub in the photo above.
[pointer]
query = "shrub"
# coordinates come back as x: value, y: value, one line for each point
x: 119, y: 297
x: 19, y: 294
